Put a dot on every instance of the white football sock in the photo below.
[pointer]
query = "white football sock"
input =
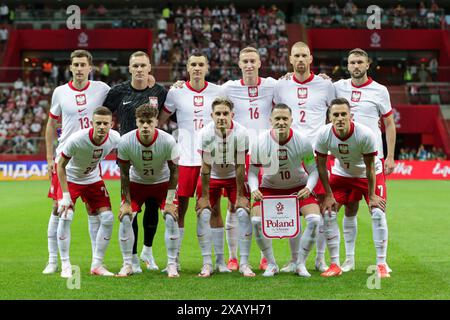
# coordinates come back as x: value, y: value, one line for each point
x: 350, y: 228
x: 245, y: 234
x: 309, y: 236
x: 204, y: 235
x: 380, y: 234
x: 263, y: 243
x: 94, y: 225
x: 321, y: 241
x: 147, y: 251
x: 126, y: 239
x: 52, y: 239
x: 171, y: 237
x: 179, y: 242
x: 63, y: 234
x: 333, y: 236
x: 219, y: 242
x: 231, y: 230
x: 103, y: 237
x: 294, y: 244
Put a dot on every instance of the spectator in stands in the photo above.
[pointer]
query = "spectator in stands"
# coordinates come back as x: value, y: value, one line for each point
x: 4, y: 13
x: 102, y: 11
x: 162, y: 26
x: 440, y: 154
x: 422, y: 10
x: 403, y: 154
x: 433, y: 68
x: 54, y: 75
x: 166, y: 13
x: 422, y: 153
x: 157, y: 52
x: 423, y: 73
x: 413, y: 154
x: 18, y: 84
x: 4, y: 34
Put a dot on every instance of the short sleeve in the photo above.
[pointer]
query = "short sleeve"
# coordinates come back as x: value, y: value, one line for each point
x: 384, y: 106
x: 69, y: 148
x: 368, y: 146
x: 173, y: 150
x: 321, y: 148
x: 122, y: 151
x: 276, y: 93
x: 331, y: 92
x: 169, y: 104
x: 55, y: 108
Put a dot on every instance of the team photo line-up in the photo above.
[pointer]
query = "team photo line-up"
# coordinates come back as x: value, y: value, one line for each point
x: 246, y: 139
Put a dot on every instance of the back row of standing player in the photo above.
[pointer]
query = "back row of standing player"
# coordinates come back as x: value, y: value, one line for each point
x: 307, y: 95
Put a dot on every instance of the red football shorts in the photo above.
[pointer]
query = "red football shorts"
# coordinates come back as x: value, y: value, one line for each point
x: 347, y: 189
x: 187, y: 180
x: 216, y: 187
x: 141, y: 192
x: 55, y: 191
x: 95, y: 194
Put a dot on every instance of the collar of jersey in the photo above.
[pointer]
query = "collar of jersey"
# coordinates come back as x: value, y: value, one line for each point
x: 91, y: 137
x: 369, y: 81
x: 259, y: 82
x: 350, y: 132
x: 188, y: 84
x: 71, y: 86
x: 291, y: 133
x: 151, y: 142
x: 309, y: 79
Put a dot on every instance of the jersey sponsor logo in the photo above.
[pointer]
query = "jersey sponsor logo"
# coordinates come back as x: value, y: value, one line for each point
x: 153, y: 102
x: 198, y: 101
x: 343, y: 148
x: 147, y: 155
x: 97, y: 153
x: 282, y: 154
x: 252, y: 92
x: 356, y: 96
x: 302, y: 93
x: 80, y: 99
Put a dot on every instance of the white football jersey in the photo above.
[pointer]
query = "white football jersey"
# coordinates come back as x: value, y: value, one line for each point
x: 76, y: 107
x: 282, y: 164
x: 85, y: 155
x: 223, y: 151
x: 348, y: 151
x: 148, y: 162
x: 368, y: 103
x: 308, y: 100
x: 252, y: 104
x: 193, y: 110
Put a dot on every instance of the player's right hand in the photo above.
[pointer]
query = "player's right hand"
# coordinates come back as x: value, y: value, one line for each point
x: 329, y: 204
x: 257, y: 195
x: 64, y: 204
x: 125, y: 209
x: 324, y: 76
x: 178, y: 85
x: 287, y: 76
x: 202, y: 203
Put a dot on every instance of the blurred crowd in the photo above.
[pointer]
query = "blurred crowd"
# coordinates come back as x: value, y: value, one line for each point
x: 422, y: 153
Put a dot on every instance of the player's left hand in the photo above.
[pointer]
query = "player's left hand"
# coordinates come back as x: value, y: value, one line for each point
x: 202, y: 203
x: 378, y: 202
x: 389, y: 166
x: 287, y: 76
x: 178, y: 85
x: 171, y: 209
x: 304, y: 193
x: 324, y: 76
x: 64, y: 204
x: 242, y: 202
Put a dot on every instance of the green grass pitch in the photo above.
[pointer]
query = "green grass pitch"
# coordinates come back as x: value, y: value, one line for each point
x: 419, y: 237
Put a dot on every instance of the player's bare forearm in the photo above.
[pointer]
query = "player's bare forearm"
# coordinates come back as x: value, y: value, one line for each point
x: 323, y: 173
x: 62, y: 176
x: 370, y: 173
x: 391, y: 136
x: 240, y: 179
x: 162, y: 119
x: 125, y: 181
x: 205, y: 177
x: 50, y: 134
x: 173, y: 180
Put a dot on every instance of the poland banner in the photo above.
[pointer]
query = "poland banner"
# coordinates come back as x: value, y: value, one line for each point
x: 280, y: 216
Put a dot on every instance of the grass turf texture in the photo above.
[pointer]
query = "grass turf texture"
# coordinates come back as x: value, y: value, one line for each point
x: 418, y: 220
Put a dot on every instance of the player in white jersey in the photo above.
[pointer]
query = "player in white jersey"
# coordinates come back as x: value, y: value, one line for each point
x: 369, y: 103
x: 253, y: 97
x: 74, y: 104
x: 147, y: 158
x: 192, y: 106
x: 79, y: 175
x: 223, y: 145
x: 282, y: 153
x: 356, y: 171
x: 308, y: 95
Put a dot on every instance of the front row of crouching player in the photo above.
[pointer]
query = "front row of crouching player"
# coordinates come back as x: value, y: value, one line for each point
x: 148, y: 165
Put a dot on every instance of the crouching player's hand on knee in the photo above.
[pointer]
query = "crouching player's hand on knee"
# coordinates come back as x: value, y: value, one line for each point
x: 64, y: 204
x: 125, y: 209
x: 172, y: 209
